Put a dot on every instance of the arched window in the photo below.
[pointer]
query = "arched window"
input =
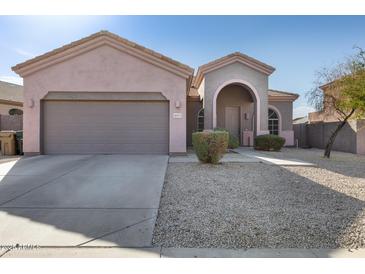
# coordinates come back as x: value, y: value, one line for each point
x: 200, y: 120
x: 273, y: 122
x: 15, y: 111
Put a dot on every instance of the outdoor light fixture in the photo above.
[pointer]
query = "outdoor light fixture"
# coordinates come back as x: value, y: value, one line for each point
x: 30, y: 103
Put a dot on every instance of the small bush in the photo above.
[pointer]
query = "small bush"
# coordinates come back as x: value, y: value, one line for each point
x: 210, y: 146
x: 233, y: 141
x: 269, y: 142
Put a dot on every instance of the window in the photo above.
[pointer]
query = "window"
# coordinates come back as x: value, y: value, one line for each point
x: 200, y: 124
x: 15, y: 111
x: 273, y: 122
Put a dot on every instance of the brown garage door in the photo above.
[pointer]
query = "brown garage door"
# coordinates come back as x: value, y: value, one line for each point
x: 105, y: 127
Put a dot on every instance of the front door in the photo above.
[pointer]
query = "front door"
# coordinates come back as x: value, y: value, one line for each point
x: 232, y: 120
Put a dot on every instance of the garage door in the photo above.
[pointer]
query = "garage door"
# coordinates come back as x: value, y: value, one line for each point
x: 105, y: 127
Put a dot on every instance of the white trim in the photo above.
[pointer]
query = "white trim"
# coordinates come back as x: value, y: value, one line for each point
x: 197, y: 119
x: 249, y: 85
x: 279, y: 114
x: 288, y: 135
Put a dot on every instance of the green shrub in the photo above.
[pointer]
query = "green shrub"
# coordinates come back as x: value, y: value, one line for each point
x: 269, y: 142
x: 233, y: 141
x: 210, y: 146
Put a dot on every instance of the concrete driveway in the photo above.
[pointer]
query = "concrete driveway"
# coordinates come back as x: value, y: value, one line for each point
x: 80, y: 200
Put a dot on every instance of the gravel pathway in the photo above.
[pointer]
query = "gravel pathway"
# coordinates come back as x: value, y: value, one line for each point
x: 243, y: 205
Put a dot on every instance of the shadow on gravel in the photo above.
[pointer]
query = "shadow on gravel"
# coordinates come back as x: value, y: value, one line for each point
x: 254, y: 206
x: 347, y: 164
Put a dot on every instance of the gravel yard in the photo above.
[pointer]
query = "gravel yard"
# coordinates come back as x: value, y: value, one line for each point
x: 348, y: 164
x: 243, y: 205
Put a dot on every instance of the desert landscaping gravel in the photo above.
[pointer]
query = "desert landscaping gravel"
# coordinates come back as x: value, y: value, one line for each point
x: 349, y: 164
x: 244, y: 205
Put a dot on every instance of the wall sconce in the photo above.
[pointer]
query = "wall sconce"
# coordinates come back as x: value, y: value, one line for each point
x: 177, y: 104
x: 30, y: 103
x: 247, y: 116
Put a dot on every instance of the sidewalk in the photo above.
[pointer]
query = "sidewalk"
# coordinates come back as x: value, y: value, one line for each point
x: 243, y: 155
x: 269, y: 159
x: 5, y: 159
x: 227, y: 158
x: 157, y: 252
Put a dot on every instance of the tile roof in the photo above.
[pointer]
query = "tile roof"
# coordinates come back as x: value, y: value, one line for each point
x: 279, y: 93
x: 238, y: 54
x: 101, y: 34
x: 228, y: 59
x: 300, y: 120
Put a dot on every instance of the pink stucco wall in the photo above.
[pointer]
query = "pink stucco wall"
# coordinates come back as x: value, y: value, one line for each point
x: 288, y: 135
x: 104, y: 69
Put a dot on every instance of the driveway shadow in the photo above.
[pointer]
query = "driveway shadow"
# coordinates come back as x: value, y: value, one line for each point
x: 80, y: 200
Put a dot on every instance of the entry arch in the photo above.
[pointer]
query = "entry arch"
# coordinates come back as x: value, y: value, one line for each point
x: 247, y: 84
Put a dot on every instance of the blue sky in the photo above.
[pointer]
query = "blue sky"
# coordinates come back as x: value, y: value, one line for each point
x: 297, y: 46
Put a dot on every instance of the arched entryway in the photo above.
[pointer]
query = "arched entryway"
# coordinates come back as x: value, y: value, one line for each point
x: 235, y: 108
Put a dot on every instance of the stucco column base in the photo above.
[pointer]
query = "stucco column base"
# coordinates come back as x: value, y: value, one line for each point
x: 29, y: 154
x: 288, y: 135
x: 178, y: 153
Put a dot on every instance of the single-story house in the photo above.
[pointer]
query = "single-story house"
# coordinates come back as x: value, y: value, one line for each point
x: 11, y: 106
x: 105, y: 94
x: 316, y: 130
x: 11, y: 98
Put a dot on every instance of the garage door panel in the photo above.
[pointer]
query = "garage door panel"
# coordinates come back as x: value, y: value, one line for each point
x: 105, y: 127
x: 110, y: 119
x: 95, y: 140
x: 107, y: 149
x: 114, y: 141
x: 112, y: 127
x: 113, y: 133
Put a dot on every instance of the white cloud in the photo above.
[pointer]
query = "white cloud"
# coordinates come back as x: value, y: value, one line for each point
x: 302, y: 111
x: 12, y: 79
x: 24, y: 53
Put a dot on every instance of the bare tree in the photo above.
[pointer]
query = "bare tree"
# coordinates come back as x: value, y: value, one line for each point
x: 340, y: 90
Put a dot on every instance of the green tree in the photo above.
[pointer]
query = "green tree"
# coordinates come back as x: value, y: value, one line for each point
x: 341, y: 89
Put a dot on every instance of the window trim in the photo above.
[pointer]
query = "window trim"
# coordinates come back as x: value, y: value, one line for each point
x: 277, y: 112
x: 199, y: 116
x: 15, y: 109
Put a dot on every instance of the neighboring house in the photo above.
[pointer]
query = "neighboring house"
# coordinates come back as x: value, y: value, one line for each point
x: 328, y: 113
x: 317, y: 129
x: 11, y: 106
x: 105, y: 94
x: 300, y: 120
x: 11, y: 97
